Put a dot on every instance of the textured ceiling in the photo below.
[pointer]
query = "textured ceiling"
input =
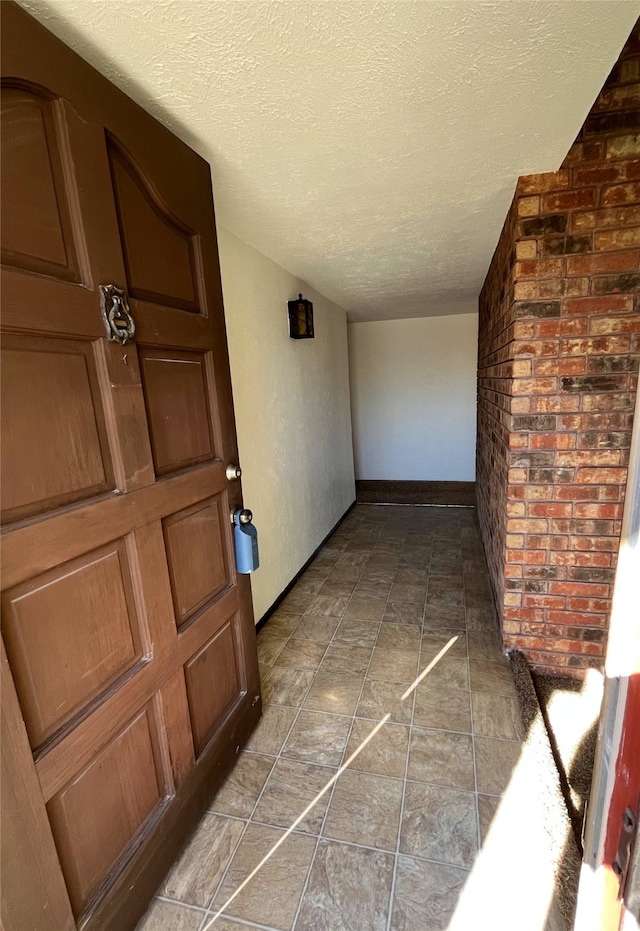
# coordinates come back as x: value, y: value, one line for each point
x: 371, y: 148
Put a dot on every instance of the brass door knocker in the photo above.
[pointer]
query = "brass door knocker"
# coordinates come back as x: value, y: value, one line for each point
x: 117, y: 317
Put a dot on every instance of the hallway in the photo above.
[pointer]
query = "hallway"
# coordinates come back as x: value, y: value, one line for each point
x: 391, y: 843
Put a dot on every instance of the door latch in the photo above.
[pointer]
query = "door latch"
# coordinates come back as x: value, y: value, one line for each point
x: 621, y: 863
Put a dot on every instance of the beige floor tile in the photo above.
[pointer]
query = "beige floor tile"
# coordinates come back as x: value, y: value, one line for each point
x: 426, y: 895
x: 441, y: 758
x: 348, y: 890
x: 378, y: 574
x: 381, y: 698
x: 343, y: 659
x: 495, y: 763
x: 357, y: 632
x: 272, y: 729
x: 315, y: 627
x: 334, y: 694
x: 301, y: 654
x: 393, y: 666
x: 366, y: 607
x: 337, y: 586
x: 195, y: 876
x: 385, y: 754
x: 291, y: 787
x: 484, y: 646
x: 494, y: 678
x: 439, y: 824
x: 243, y: 785
x: 496, y: 716
x: 296, y: 602
x: 399, y: 637
x: 447, y: 616
x: 281, y: 625
x: 379, y: 589
x: 286, y: 686
x: 408, y: 594
x: 365, y: 809
x: 409, y: 575
x: 487, y: 808
x: 402, y: 613
x: 440, y: 707
x: 433, y: 641
x: 272, y: 896
x: 268, y: 648
x: 165, y: 916
x: 330, y: 605
x: 450, y: 672
x: 318, y: 738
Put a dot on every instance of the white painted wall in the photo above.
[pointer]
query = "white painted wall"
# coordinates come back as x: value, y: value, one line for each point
x: 413, y: 395
x: 292, y: 411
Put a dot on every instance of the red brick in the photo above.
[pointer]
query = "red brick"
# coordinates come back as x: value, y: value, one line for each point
x: 623, y: 146
x: 595, y: 344
x: 548, y: 328
x: 621, y: 194
x: 607, y: 219
x: 591, y: 589
x: 575, y: 493
x: 599, y: 511
x: 524, y: 614
x: 540, y: 268
x: 579, y: 646
x: 552, y: 441
x: 560, y: 367
x: 591, y: 544
x: 536, y: 348
x: 617, y: 239
x: 568, y: 200
x: 597, y: 605
x: 605, y: 326
x: 550, y: 509
x: 602, y: 264
x: 585, y: 151
x: 576, y: 618
x: 600, y: 174
x: 592, y: 457
x: 543, y: 601
x: 596, y: 560
x: 538, y: 492
x: 542, y: 183
x: 526, y: 526
x: 602, y: 476
x: 513, y: 572
x: 601, y: 304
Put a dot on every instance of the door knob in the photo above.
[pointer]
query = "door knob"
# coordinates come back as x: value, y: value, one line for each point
x: 233, y: 472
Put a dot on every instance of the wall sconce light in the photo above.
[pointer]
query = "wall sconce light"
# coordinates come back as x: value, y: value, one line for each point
x: 300, y: 319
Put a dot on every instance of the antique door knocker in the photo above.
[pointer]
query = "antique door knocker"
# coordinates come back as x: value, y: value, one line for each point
x: 116, y: 314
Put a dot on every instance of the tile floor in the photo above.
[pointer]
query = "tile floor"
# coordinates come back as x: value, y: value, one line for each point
x: 390, y: 846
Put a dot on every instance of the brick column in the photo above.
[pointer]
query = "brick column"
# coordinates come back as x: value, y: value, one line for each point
x: 558, y: 360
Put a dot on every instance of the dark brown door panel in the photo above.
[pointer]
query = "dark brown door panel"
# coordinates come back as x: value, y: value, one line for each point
x: 129, y: 664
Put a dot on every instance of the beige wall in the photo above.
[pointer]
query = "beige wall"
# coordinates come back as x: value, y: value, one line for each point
x: 292, y: 411
x: 413, y: 392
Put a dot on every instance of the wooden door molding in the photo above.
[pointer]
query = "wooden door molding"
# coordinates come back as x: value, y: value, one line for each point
x: 130, y: 666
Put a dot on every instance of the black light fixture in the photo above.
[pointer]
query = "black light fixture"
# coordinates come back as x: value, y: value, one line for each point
x: 300, y: 319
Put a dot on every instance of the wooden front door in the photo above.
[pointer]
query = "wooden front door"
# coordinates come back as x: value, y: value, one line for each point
x: 129, y: 667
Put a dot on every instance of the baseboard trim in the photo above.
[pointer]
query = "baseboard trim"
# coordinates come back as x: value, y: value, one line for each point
x: 409, y: 492
x: 274, y: 607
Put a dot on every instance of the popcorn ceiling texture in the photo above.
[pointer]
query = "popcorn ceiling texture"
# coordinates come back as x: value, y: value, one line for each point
x: 370, y: 148
x: 559, y: 347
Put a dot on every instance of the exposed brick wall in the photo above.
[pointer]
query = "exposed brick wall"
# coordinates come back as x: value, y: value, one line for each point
x: 558, y: 360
